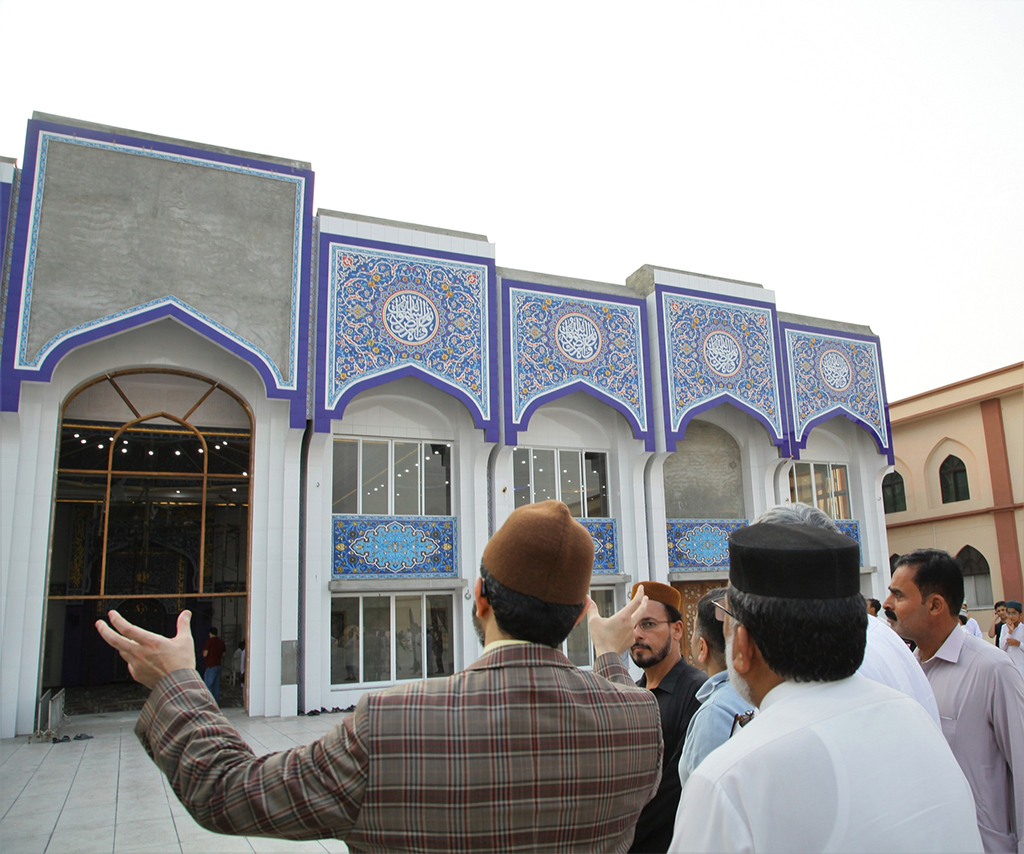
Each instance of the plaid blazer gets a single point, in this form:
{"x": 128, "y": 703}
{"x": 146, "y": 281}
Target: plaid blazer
{"x": 521, "y": 751}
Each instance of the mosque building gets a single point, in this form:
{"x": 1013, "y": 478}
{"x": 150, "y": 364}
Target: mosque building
{"x": 303, "y": 425}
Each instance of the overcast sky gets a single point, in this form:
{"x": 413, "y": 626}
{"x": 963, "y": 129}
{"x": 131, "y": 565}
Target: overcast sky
{"x": 864, "y": 160}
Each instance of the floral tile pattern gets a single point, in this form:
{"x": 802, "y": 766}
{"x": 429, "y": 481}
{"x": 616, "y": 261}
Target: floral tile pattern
{"x": 388, "y": 310}
{"x": 559, "y": 340}
{"x": 605, "y": 533}
{"x": 851, "y": 528}
{"x": 375, "y": 547}
{"x": 832, "y": 374}
{"x": 715, "y": 350}
{"x": 700, "y": 544}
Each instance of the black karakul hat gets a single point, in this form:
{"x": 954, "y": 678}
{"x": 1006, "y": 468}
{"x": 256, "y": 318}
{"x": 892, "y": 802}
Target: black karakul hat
{"x": 793, "y": 562}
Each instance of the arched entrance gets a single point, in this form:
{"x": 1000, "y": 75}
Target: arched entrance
{"x": 151, "y": 516}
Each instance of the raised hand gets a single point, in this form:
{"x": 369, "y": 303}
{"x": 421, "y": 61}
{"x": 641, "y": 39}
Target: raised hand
{"x": 615, "y": 633}
{"x": 150, "y": 657}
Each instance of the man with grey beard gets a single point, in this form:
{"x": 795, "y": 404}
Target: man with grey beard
{"x": 795, "y": 778}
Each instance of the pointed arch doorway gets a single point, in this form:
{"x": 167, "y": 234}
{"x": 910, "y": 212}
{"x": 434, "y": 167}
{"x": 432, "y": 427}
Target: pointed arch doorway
{"x": 151, "y": 516}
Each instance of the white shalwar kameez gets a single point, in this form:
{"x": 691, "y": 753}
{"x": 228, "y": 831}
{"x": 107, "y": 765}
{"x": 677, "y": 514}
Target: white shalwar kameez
{"x": 803, "y": 776}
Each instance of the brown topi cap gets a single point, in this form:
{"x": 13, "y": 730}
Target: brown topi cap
{"x": 658, "y": 592}
{"x": 542, "y": 551}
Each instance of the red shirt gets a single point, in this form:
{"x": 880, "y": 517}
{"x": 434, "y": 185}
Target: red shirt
{"x": 214, "y": 650}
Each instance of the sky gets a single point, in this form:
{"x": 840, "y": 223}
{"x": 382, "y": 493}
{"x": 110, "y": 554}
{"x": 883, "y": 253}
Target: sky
{"x": 863, "y": 160}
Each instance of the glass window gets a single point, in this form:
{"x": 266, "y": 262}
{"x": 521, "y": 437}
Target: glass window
{"x": 894, "y": 498}
{"x": 437, "y": 468}
{"x": 595, "y": 470}
{"x": 346, "y": 477}
{"x": 373, "y": 637}
{"x": 953, "y": 480}
{"x": 577, "y": 646}
{"x": 579, "y": 479}
{"x": 374, "y": 477}
{"x": 345, "y": 640}
{"x": 822, "y": 485}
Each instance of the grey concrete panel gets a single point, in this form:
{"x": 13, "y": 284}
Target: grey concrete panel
{"x": 704, "y": 477}
{"x": 118, "y": 230}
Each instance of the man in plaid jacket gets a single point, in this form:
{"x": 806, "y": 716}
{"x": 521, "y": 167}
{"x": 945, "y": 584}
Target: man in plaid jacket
{"x": 522, "y": 751}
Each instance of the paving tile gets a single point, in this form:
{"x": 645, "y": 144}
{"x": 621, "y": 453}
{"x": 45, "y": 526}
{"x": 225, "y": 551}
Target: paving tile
{"x": 86, "y": 818}
{"x": 220, "y": 844}
{"x": 149, "y": 833}
{"x": 334, "y": 846}
{"x": 96, "y": 841}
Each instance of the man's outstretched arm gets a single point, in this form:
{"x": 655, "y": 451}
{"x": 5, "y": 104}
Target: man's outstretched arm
{"x": 308, "y": 792}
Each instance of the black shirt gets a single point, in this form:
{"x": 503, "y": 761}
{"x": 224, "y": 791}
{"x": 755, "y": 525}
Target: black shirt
{"x": 677, "y": 702}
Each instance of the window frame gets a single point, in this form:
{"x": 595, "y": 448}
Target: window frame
{"x": 393, "y": 597}
{"x": 950, "y": 485}
{"x": 831, "y": 497}
{"x": 391, "y": 474}
{"x": 582, "y": 454}
{"x": 894, "y": 493}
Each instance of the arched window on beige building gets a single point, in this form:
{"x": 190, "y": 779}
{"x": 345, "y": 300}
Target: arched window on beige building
{"x": 977, "y": 579}
{"x": 953, "y": 480}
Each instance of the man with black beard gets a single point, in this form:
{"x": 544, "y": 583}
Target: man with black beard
{"x": 795, "y": 778}
{"x": 674, "y": 683}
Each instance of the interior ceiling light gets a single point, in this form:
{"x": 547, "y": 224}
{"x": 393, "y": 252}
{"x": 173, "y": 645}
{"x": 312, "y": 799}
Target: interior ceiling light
{"x": 84, "y": 442}
{"x": 177, "y": 453}
{"x": 75, "y": 436}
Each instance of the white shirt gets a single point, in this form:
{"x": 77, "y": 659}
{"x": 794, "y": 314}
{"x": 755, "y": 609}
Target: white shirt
{"x": 802, "y": 776}
{"x": 1016, "y": 653}
{"x": 981, "y": 707}
{"x": 887, "y": 659}
{"x": 972, "y": 628}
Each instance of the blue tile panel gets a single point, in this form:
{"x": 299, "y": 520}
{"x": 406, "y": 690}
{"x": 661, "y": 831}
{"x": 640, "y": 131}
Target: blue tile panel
{"x": 719, "y": 351}
{"x": 851, "y": 527}
{"x": 561, "y": 340}
{"x": 830, "y": 375}
{"x": 700, "y": 544}
{"x": 605, "y": 533}
{"x": 391, "y": 310}
{"x": 377, "y": 547}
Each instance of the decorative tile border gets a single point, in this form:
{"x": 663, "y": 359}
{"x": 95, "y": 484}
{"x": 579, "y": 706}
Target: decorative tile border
{"x": 392, "y": 314}
{"x": 605, "y": 533}
{"x": 700, "y": 544}
{"x": 559, "y": 341}
{"x": 378, "y": 547}
{"x": 851, "y": 528}
{"x": 831, "y": 374}
{"x": 716, "y": 350}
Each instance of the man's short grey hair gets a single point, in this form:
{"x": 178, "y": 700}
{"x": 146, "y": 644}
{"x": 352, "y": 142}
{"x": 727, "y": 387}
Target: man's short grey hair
{"x": 797, "y": 514}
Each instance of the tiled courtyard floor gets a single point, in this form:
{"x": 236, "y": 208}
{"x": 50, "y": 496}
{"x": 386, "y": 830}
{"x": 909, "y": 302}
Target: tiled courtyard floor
{"x": 105, "y": 795}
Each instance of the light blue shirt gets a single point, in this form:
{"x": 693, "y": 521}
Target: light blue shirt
{"x": 711, "y": 724}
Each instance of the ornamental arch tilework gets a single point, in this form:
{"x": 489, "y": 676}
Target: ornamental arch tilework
{"x": 830, "y": 374}
{"x": 560, "y": 341}
{"x": 717, "y": 350}
{"x": 392, "y": 314}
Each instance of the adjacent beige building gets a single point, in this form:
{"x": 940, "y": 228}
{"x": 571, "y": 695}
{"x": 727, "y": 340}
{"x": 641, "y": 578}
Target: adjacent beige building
{"x": 958, "y": 483}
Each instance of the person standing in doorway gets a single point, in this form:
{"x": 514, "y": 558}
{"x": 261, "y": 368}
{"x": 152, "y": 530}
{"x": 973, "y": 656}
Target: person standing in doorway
{"x": 213, "y": 654}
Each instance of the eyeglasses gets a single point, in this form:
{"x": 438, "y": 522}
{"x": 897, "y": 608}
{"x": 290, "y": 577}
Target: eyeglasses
{"x": 648, "y": 625}
{"x": 718, "y": 604}
{"x": 741, "y": 720}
